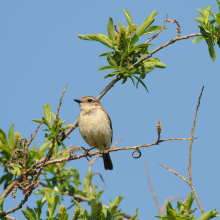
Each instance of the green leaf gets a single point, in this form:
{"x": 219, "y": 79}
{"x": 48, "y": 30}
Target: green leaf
{"x": 32, "y": 212}
{"x": 6, "y": 148}
{"x": 39, "y": 121}
{"x": 92, "y": 200}
{"x": 78, "y": 206}
{"x": 31, "y": 158}
{"x": 104, "y": 54}
{"x": 38, "y": 210}
{"x": 216, "y": 17}
{"x": 152, "y": 29}
{"x": 17, "y": 169}
{"x": 27, "y": 214}
{"x": 134, "y": 39}
{"x": 76, "y": 179}
{"x": 47, "y": 114}
{"x": 11, "y": 135}
{"x": 56, "y": 201}
{"x": 113, "y": 207}
{"x": 55, "y": 149}
{"x": 209, "y": 215}
{"x": 152, "y": 15}
{"x": 124, "y": 79}
{"x": 132, "y": 79}
{"x": 160, "y": 65}
{"x": 87, "y": 182}
{"x": 144, "y": 26}
{"x": 211, "y": 50}
{"x": 207, "y": 14}
{"x": 141, "y": 83}
{"x": 111, "y": 31}
{"x": 44, "y": 147}
{"x": 137, "y": 47}
{"x": 97, "y": 37}
{"x": 67, "y": 126}
{"x": 135, "y": 214}
{"x": 63, "y": 145}
{"x": 146, "y": 68}
{"x": 3, "y": 138}
{"x": 200, "y": 20}
{"x": 1, "y": 205}
{"x": 196, "y": 40}
{"x": 111, "y": 61}
{"x": 129, "y": 20}
{"x": 111, "y": 74}
{"x": 190, "y": 201}
{"x": 108, "y": 67}
{"x": 218, "y": 5}
{"x": 201, "y": 13}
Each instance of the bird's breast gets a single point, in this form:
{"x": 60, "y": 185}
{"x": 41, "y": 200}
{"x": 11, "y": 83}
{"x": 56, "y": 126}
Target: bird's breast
{"x": 94, "y": 126}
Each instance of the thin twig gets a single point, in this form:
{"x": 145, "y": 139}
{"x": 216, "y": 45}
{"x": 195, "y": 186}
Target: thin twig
{"x": 42, "y": 165}
{"x": 178, "y": 26}
{"x": 160, "y": 209}
{"x": 26, "y": 150}
{"x": 116, "y": 143}
{"x": 10, "y": 218}
{"x": 58, "y": 109}
{"x": 190, "y": 159}
{"x": 173, "y": 171}
{"x": 92, "y": 161}
{"x": 75, "y": 157}
{"x": 162, "y": 46}
{"x": 116, "y": 29}
{"x": 153, "y": 37}
{"x": 152, "y": 190}
{"x": 16, "y": 207}
{"x": 100, "y": 177}
{"x": 190, "y": 155}
{"x": 172, "y": 198}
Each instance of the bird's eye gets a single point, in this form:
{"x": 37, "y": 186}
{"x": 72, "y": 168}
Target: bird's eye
{"x": 89, "y": 100}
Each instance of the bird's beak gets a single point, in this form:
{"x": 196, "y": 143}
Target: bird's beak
{"x": 77, "y": 100}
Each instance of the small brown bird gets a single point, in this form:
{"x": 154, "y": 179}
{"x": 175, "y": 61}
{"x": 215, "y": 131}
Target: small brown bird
{"x": 95, "y": 126}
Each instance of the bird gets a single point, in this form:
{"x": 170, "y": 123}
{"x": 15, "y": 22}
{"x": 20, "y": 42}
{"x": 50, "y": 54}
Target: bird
{"x": 95, "y": 126}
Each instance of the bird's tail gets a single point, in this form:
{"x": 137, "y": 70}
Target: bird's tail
{"x": 107, "y": 161}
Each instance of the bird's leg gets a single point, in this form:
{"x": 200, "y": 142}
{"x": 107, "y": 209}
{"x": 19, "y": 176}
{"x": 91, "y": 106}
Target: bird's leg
{"x": 90, "y": 149}
{"x": 86, "y": 152}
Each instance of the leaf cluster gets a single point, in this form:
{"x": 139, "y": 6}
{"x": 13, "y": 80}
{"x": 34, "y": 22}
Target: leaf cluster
{"x": 125, "y": 50}
{"x": 68, "y": 180}
{"x": 184, "y": 211}
{"x": 209, "y": 28}
{"x": 7, "y": 146}
{"x": 55, "y": 128}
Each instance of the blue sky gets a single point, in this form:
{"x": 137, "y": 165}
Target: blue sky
{"x": 40, "y": 53}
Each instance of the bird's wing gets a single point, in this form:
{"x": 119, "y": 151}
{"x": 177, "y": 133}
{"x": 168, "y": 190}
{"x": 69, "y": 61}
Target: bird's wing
{"x": 110, "y": 123}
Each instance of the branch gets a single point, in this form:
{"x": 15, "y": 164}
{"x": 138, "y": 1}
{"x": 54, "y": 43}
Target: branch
{"x": 150, "y": 39}
{"x": 152, "y": 190}
{"x": 162, "y": 46}
{"x": 26, "y": 150}
{"x": 190, "y": 153}
{"x": 172, "y": 198}
{"x": 58, "y": 109}
{"x": 76, "y": 157}
{"x": 10, "y": 218}
{"x": 16, "y": 207}
{"x": 173, "y": 171}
